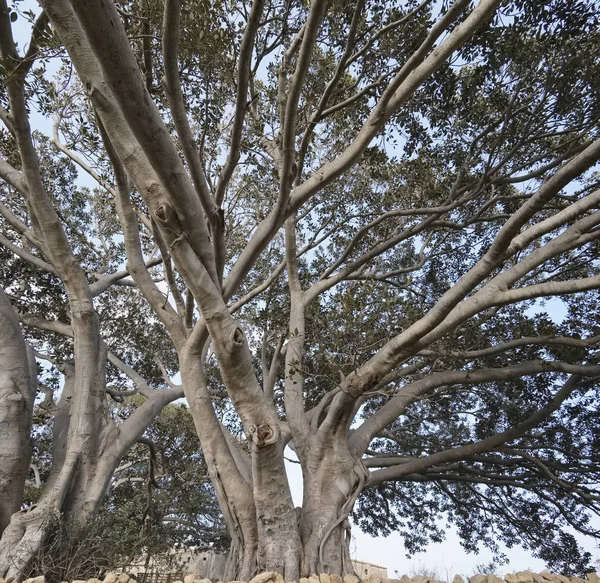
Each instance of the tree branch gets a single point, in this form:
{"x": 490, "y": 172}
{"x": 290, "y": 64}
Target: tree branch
{"x": 488, "y": 444}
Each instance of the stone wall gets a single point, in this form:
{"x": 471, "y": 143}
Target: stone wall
{"x": 208, "y": 564}
{"x": 520, "y": 577}
{"x": 364, "y": 570}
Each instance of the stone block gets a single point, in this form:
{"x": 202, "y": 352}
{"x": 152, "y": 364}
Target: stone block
{"x": 336, "y": 579}
{"x": 593, "y": 577}
{"x": 373, "y": 578}
{"x": 324, "y": 578}
{"x": 262, "y": 577}
{"x": 349, "y": 578}
{"x": 189, "y": 579}
{"x": 110, "y": 577}
{"x": 479, "y": 578}
{"x": 458, "y": 579}
{"x": 40, "y": 579}
{"x": 122, "y": 578}
{"x": 520, "y": 577}
{"x": 419, "y": 579}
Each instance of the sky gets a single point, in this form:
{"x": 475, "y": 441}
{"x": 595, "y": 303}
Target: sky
{"x": 442, "y": 560}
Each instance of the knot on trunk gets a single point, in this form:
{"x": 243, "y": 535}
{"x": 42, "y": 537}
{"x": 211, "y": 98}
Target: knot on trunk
{"x": 218, "y": 219}
{"x": 262, "y": 435}
{"x": 238, "y": 336}
{"x": 167, "y": 219}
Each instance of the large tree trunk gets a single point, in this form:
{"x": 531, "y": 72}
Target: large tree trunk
{"x": 332, "y": 481}
{"x": 17, "y": 388}
{"x": 229, "y": 469}
{"x": 73, "y": 491}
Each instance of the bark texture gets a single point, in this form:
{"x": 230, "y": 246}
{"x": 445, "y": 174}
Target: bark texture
{"x": 17, "y": 393}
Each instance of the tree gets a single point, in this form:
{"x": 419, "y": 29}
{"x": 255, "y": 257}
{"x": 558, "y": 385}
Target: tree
{"x": 423, "y": 174}
{"x": 159, "y": 499}
{"x": 87, "y": 443}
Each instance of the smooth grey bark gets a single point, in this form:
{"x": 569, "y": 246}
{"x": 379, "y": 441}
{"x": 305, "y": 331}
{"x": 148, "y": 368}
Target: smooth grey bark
{"x": 86, "y": 449}
{"x": 230, "y": 478}
{"x": 333, "y": 479}
{"x": 17, "y": 393}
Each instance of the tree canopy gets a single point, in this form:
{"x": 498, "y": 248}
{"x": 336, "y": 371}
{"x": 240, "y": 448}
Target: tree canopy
{"x": 367, "y": 231}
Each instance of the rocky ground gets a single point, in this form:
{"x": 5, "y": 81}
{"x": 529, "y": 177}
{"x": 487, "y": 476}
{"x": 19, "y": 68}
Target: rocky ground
{"x": 268, "y": 577}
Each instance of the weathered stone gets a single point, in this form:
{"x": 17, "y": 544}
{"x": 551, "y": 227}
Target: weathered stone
{"x": 260, "y": 578}
{"x": 575, "y": 579}
{"x": 479, "y": 578}
{"x": 520, "y": 577}
{"x": 546, "y": 575}
{"x": 40, "y": 579}
{"x": 336, "y": 578}
{"x": 593, "y": 577}
{"x": 561, "y": 578}
{"x": 189, "y": 579}
{"x": 110, "y": 577}
{"x": 458, "y": 579}
{"x": 84, "y": 581}
{"x": 304, "y": 580}
{"x": 278, "y": 578}
{"x": 491, "y": 578}
{"x": 349, "y": 578}
{"x": 204, "y": 580}
{"x": 420, "y": 579}
{"x": 373, "y": 578}
{"x": 314, "y": 579}
{"x": 122, "y": 578}
{"x": 405, "y": 579}
{"x": 324, "y": 578}
{"x": 94, "y": 580}
{"x": 537, "y": 578}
